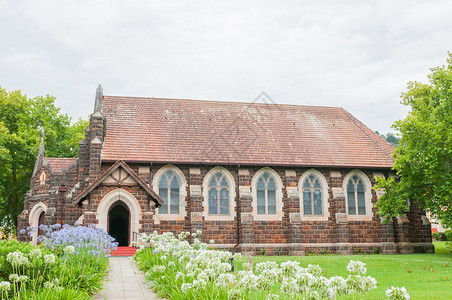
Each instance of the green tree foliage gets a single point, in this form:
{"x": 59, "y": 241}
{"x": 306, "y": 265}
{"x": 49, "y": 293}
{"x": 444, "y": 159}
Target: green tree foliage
{"x": 391, "y": 138}
{"x": 21, "y": 122}
{"x": 423, "y": 160}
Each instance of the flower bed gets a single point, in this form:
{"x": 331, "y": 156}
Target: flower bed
{"x": 70, "y": 263}
{"x": 178, "y": 270}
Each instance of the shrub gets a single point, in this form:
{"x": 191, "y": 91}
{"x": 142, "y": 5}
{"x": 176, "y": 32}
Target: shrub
{"x": 448, "y": 235}
{"x": 179, "y": 270}
{"x": 95, "y": 239}
{"x": 396, "y": 293}
{"x": 54, "y": 294}
{"x": 439, "y": 236}
{"x": 70, "y": 263}
{"x": 26, "y": 268}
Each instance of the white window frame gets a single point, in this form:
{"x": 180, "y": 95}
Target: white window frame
{"x": 231, "y": 190}
{"x": 279, "y": 203}
{"x": 367, "y": 196}
{"x": 182, "y": 194}
{"x": 325, "y": 203}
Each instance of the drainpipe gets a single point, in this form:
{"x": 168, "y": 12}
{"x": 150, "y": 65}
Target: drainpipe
{"x": 237, "y": 207}
{"x": 62, "y": 189}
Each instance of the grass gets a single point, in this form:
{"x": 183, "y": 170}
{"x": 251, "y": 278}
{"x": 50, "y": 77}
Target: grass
{"x": 425, "y": 276}
{"x": 440, "y": 248}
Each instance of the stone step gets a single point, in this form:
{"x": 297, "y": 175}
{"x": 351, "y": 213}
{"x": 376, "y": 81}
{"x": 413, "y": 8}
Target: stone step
{"x": 124, "y": 251}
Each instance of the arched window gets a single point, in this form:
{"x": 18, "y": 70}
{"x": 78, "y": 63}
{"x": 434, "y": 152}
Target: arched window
{"x": 312, "y": 196}
{"x": 355, "y": 196}
{"x": 358, "y": 196}
{"x": 218, "y": 194}
{"x": 169, "y": 190}
{"x": 267, "y": 195}
{"x": 170, "y": 183}
{"x": 313, "y": 191}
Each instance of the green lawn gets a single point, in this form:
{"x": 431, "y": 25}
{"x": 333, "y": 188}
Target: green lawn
{"x": 425, "y": 276}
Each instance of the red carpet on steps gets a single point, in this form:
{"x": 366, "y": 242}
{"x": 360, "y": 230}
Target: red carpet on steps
{"x": 124, "y": 251}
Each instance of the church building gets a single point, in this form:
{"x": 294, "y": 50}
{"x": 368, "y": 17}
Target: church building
{"x": 286, "y": 179}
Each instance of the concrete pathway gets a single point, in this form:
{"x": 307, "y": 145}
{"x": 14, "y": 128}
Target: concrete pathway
{"x": 125, "y": 281}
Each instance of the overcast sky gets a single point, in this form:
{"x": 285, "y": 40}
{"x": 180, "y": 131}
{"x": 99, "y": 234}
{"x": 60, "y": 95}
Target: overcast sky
{"x": 355, "y": 54}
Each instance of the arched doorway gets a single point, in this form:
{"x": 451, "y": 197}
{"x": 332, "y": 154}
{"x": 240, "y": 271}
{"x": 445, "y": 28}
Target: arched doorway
{"x": 36, "y": 218}
{"x": 119, "y": 223}
{"x": 110, "y": 200}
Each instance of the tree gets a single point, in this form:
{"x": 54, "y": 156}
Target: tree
{"x": 391, "y": 138}
{"x": 423, "y": 160}
{"x": 21, "y": 122}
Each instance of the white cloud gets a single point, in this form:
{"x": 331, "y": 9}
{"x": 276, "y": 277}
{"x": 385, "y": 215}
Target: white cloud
{"x": 354, "y": 54}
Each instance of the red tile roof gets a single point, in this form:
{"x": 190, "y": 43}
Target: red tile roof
{"x": 57, "y": 164}
{"x": 212, "y": 132}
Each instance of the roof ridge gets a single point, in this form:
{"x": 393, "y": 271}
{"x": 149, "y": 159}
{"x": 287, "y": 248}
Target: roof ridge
{"x": 219, "y": 101}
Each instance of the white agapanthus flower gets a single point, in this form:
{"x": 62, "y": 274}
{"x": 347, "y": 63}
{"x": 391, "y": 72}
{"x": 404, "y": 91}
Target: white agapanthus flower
{"x": 22, "y": 278}
{"x": 225, "y": 281}
{"x": 290, "y": 268}
{"x": 212, "y": 241}
{"x": 396, "y": 293}
{"x": 186, "y": 287}
{"x": 69, "y": 249}
{"x": 234, "y": 294}
{"x": 51, "y": 284}
{"x": 272, "y": 297}
{"x": 313, "y": 295}
{"x": 5, "y": 286}
{"x": 158, "y": 269}
{"x": 246, "y": 266}
{"x": 17, "y": 259}
{"x": 13, "y": 277}
{"x": 49, "y": 259}
{"x": 35, "y": 253}
{"x": 289, "y": 287}
{"x": 339, "y": 284}
{"x": 315, "y": 270}
{"x": 163, "y": 257}
{"x": 356, "y": 267}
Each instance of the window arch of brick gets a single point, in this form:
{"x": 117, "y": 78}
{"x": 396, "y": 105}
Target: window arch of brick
{"x": 267, "y": 188}
{"x": 313, "y": 191}
{"x": 219, "y": 188}
{"x": 174, "y": 195}
{"x": 358, "y": 196}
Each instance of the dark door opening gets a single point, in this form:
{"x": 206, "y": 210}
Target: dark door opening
{"x": 118, "y": 223}
{"x": 41, "y": 221}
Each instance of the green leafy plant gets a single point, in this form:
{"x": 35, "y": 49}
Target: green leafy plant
{"x": 423, "y": 160}
{"x": 21, "y": 122}
{"x": 448, "y": 235}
